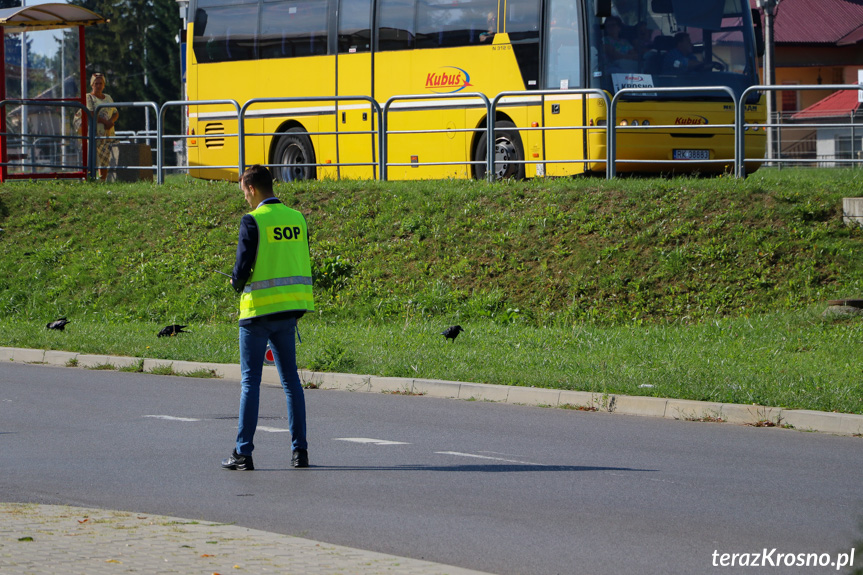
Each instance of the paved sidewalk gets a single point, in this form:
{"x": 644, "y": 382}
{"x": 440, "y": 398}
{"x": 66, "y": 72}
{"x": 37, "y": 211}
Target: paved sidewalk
{"x": 53, "y": 539}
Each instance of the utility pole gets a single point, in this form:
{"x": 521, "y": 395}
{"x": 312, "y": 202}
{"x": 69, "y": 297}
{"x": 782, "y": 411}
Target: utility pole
{"x": 769, "y": 8}
{"x": 184, "y": 14}
{"x": 64, "y": 145}
{"x": 23, "y": 87}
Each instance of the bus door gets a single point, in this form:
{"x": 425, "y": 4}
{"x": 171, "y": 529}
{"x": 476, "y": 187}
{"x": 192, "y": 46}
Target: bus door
{"x": 354, "y": 71}
{"x": 564, "y": 62}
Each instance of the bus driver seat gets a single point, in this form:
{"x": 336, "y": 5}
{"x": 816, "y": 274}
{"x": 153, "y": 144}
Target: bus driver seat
{"x": 653, "y": 57}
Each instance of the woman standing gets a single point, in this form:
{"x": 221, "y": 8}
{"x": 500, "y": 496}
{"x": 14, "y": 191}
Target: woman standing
{"x": 105, "y": 121}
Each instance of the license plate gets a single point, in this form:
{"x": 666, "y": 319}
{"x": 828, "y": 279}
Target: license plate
{"x": 691, "y": 154}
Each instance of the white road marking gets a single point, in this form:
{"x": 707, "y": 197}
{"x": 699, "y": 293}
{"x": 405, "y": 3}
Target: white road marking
{"x": 172, "y": 418}
{"x": 369, "y": 440}
{"x": 487, "y": 457}
{"x": 273, "y": 429}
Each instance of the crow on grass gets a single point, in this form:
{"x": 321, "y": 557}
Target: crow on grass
{"x": 452, "y": 332}
{"x": 58, "y": 324}
{"x": 171, "y": 330}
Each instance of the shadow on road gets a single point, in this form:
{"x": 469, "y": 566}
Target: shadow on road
{"x": 485, "y": 468}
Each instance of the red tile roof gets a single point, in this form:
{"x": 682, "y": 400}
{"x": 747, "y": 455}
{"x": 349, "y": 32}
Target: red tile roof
{"x": 837, "y": 104}
{"x": 838, "y": 22}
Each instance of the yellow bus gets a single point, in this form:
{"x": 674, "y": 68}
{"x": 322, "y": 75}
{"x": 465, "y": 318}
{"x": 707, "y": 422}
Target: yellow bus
{"x": 379, "y": 49}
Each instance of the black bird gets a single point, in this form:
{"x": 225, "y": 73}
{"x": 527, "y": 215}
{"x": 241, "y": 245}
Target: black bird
{"x": 58, "y": 324}
{"x": 171, "y": 330}
{"x": 451, "y": 332}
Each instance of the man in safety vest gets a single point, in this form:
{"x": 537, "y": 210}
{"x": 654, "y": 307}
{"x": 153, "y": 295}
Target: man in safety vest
{"x": 274, "y": 275}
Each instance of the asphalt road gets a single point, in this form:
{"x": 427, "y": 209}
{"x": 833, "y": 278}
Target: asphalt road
{"x": 499, "y": 488}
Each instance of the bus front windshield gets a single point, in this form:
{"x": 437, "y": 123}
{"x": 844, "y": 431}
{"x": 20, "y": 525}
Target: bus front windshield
{"x": 673, "y": 43}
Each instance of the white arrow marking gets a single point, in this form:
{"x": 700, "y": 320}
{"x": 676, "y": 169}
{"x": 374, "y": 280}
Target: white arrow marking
{"x": 273, "y": 429}
{"x": 487, "y": 457}
{"x": 369, "y": 440}
{"x": 172, "y": 418}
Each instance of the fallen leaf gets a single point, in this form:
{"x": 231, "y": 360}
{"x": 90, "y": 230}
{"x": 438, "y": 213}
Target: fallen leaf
{"x": 84, "y": 521}
{"x": 25, "y": 539}
{"x": 205, "y": 555}
{"x": 112, "y": 561}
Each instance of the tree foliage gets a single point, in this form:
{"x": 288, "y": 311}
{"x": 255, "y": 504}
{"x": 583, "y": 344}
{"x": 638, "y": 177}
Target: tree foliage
{"x": 139, "y": 53}
{"x": 12, "y": 46}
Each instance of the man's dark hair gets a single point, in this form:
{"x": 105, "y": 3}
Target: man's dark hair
{"x": 680, "y": 37}
{"x": 258, "y": 177}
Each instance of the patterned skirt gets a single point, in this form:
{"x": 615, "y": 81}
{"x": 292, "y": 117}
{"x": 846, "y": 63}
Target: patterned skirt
{"x": 103, "y": 153}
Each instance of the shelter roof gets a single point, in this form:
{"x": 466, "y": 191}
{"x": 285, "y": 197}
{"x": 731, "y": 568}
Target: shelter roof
{"x": 47, "y": 17}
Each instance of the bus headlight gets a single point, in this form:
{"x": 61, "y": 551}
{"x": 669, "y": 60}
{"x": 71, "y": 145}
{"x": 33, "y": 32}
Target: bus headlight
{"x": 635, "y": 122}
{"x": 645, "y": 123}
{"x": 624, "y": 123}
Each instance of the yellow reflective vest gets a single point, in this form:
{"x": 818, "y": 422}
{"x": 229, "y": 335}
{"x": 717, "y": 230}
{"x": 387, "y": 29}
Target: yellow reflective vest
{"x": 281, "y": 278}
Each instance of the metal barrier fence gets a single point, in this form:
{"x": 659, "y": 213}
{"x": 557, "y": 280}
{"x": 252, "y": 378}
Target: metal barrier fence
{"x": 139, "y": 137}
{"x": 612, "y": 121}
{"x": 95, "y": 138}
{"x": 30, "y": 144}
{"x": 160, "y": 129}
{"x": 387, "y": 132}
{"x": 335, "y": 99}
{"x": 540, "y": 95}
{"x": 381, "y": 132}
{"x": 771, "y": 125}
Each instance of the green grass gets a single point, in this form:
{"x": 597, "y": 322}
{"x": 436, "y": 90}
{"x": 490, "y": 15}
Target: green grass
{"x": 796, "y": 360}
{"x": 708, "y": 289}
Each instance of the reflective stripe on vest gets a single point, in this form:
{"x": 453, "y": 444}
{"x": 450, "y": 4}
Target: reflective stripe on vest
{"x": 291, "y": 281}
{"x": 282, "y": 276}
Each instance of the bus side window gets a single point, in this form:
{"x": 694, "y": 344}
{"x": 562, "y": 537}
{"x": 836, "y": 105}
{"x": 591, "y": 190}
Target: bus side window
{"x": 354, "y": 26}
{"x": 430, "y": 23}
{"x": 396, "y": 25}
{"x": 563, "y": 46}
{"x": 291, "y": 28}
{"x": 522, "y": 21}
{"x": 230, "y": 33}
{"x": 445, "y": 24}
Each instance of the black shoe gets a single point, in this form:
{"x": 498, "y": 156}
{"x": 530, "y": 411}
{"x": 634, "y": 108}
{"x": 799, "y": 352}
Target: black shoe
{"x": 239, "y": 462}
{"x": 300, "y": 458}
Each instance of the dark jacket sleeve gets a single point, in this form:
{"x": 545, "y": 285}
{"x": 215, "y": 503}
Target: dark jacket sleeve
{"x": 247, "y": 251}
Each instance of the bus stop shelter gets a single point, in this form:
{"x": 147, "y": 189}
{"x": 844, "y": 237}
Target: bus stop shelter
{"x": 51, "y": 16}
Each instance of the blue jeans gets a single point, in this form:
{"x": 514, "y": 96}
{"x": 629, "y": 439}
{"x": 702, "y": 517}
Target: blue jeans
{"x": 253, "y": 346}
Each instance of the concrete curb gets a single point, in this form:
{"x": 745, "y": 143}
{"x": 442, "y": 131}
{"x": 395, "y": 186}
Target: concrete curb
{"x": 681, "y": 409}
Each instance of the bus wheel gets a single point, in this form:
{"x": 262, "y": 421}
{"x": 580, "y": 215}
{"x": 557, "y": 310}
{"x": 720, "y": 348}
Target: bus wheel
{"x": 508, "y": 149}
{"x": 294, "y": 149}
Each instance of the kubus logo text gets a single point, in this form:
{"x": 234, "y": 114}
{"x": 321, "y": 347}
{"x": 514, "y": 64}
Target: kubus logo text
{"x": 690, "y": 121}
{"x": 449, "y": 80}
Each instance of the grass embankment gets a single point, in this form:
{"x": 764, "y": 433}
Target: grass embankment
{"x": 701, "y": 288}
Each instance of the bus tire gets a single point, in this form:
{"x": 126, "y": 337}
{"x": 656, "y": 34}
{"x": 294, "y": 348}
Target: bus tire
{"x": 508, "y": 148}
{"x": 293, "y": 148}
